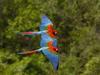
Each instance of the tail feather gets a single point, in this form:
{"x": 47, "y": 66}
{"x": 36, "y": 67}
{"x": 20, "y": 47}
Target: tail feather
{"x": 28, "y": 52}
{"x": 27, "y": 33}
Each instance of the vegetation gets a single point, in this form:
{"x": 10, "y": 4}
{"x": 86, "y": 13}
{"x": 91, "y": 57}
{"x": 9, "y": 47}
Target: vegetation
{"x": 78, "y": 24}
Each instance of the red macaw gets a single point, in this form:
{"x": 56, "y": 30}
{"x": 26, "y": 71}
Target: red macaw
{"x": 45, "y": 27}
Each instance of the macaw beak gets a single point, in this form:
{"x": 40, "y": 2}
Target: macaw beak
{"x": 55, "y": 32}
{"x": 55, "y": 49}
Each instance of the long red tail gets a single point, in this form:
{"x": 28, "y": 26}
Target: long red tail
{"x": 28, "y": 52}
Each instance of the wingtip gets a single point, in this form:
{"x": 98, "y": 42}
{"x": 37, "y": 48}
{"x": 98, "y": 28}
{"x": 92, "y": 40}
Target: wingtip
{"x": 56, "y": 65}
{"x": 44, "y": 16}
{"x": 53, "y": 58}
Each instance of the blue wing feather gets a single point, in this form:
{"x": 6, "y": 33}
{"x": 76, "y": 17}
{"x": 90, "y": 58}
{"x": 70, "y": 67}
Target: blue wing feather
{"x": 45, "y": 22}
{"x": 54, "y": 42}
{"x": 53, "y": 58}
{"x": 45, "y": 39}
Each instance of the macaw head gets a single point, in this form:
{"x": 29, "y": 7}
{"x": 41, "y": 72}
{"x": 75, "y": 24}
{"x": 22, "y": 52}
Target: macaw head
{"x": 51, "y": 47}
{"x": 55, "y": 49}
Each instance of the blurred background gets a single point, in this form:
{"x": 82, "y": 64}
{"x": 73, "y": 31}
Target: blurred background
{"x": 78, "y": 24}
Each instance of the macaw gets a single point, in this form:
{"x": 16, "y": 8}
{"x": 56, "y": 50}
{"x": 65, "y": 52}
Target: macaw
{"x": 48, "y": 42}
{"x": 46, "y": 26}
{"x": 49, "y": 51}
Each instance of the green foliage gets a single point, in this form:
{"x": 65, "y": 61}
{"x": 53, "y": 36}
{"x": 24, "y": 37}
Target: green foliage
{"x": 77, "y": 22}
{"x": 92, "y": 66}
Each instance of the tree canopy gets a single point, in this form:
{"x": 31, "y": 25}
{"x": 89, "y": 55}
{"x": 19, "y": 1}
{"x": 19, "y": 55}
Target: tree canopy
{"x": 78, "y": 24}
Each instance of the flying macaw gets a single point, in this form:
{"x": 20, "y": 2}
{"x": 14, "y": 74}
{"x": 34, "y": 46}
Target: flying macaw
{"x": 46, "y": 26}
{"x": 48, "y": 42}
{"x": 49, "y": 51}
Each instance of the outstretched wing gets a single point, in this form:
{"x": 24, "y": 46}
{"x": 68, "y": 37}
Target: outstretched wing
{"x": 45, "y": 39}
{"x": 54, "y": 42}
{"x": 47, "y": 25}
{"x": 45, "y": 22}
{"x": 53, "y": 58}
